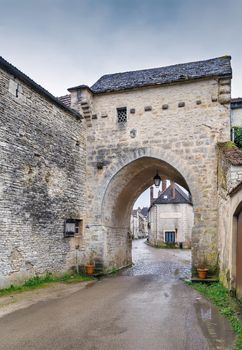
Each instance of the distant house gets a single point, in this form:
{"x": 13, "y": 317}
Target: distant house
{"x": 170, "y": 217}
{"x": 145, "y": 211}
{"x": 139, "y": 223}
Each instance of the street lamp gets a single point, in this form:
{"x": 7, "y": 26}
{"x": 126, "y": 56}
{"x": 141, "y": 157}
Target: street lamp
{"x": 157, "y": 180}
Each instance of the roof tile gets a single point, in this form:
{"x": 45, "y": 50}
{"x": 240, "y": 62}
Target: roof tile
{"x": 166, "y": 197}
{"x": 164, "y": 75}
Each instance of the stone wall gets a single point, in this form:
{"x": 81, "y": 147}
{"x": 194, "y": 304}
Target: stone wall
{"x": 234, "y": 176}
{"x": 42, "y": 182}
{"x": 171, "y": 217}
{"x": 228, "y": 237}
{"x": 138, "y": 225}
{"x": 172, "y": 128}
{"x": 230, "y": 198}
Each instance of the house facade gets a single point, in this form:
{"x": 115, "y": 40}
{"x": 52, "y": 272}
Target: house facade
{"x": 138, "y": 224}
{"x": 171, "y": 218}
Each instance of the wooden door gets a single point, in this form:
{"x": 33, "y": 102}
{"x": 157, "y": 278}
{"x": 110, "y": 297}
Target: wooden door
{"x": 239, "y": 257}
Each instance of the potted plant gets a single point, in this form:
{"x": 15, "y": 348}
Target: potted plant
{"x": 202, "y": 269}
{"x": 90, "y": 266}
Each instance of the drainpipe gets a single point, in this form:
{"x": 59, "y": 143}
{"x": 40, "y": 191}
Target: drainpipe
{"x": 232, "y": 134}
{"x": 151, "y": 195}
{"x": 156, "y": 235}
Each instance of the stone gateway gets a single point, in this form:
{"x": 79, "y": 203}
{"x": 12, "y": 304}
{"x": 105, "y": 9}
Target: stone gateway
{"x": 72, "y": 168}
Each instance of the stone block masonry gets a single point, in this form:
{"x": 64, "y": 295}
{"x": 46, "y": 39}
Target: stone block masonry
{"x": 179, "y": 142}
{"x": 56, "y": 166}
{"x": 42, "y": 180}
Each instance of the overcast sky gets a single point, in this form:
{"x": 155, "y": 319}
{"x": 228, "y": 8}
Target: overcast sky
{"x": 63, "y": 43}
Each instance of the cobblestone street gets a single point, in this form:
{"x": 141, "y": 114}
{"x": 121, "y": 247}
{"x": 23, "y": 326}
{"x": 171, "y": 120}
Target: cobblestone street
{"x": 170, "y": 263}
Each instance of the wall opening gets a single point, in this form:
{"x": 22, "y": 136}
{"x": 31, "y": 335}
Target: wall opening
{"x": 237, "y": 236}
{"x": 163, "y": 218}
{"x": 121, "y": 193}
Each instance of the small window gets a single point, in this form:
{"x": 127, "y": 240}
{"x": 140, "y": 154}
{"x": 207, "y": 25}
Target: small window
{"x": 170, "y": 236}
{"x": 122, "y": 115}
{"x": 73, "y": 227}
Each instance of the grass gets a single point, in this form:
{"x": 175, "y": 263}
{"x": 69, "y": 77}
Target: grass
{"x": 227, "y": 305}
{"x": 163, "y": 245}
{"x": 43, "y": 281}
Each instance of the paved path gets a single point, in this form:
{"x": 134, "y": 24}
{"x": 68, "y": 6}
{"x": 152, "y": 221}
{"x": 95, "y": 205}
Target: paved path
{"x": 145, "y": 307}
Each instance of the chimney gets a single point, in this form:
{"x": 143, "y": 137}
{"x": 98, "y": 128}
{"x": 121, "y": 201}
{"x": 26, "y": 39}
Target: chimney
{"x": 164, "y": 184}
{"x": 151, "y": 194}
{"x": 173, "y": 190}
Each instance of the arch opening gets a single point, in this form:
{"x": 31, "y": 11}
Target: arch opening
{"x": 121, "y": 193}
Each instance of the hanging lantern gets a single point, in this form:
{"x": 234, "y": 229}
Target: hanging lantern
{"x": 157, "y": 180}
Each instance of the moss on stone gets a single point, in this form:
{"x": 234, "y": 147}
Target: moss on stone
{"x": 227, "y": 146}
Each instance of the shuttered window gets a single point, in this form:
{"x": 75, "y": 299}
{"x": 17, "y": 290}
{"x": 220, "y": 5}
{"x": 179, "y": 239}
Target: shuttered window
{"x": 170, "y": 237}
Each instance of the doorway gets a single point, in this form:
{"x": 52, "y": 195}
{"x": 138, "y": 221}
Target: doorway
{"x": 239, "y": 252}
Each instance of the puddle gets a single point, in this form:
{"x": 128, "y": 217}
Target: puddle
{"x": 215, "y": 328}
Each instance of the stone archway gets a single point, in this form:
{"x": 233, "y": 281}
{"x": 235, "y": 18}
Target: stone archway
{"x": 122, "y": 191}
{"x": 120, "y": 184}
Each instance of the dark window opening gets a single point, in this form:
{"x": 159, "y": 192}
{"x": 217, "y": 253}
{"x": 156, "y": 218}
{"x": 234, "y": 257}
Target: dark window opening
{"x": 17, "y": 90}
{"x": 170, "y": 236}
{"x": 122, "y": 115}
{"x": 73, "y": 227}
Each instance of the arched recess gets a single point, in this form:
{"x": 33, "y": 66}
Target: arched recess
{"x": 186, "y": 170}
{"x": 121, "y": 192}
{"x": 237, "y": 238}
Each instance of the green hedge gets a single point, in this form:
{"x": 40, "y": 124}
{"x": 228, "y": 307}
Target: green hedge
{"x": 238, "y": 136}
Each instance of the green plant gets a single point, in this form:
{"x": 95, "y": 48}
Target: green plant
{"x": 203, "y": 263}
{"x": 43, "y": 281}
{"x": 92, "y": 256}
{"x": 238, "y": 136}
{"x": 171, "y": 245}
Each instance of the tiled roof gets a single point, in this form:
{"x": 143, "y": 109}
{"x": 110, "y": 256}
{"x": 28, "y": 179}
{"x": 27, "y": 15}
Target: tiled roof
{"x": 66, "y": 100}
{"x": 234, "y": 156}
{"x": 236, "y": 102}
{"x": 237, "y": 99}
{"x": 9, "y": 68}
{"x": 144, "y": 211}
{"x": 236, "y": 189}
{"x": 166, "y": 197}
{"x": 164, "y": 75}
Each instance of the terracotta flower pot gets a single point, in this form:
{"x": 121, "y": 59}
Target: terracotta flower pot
{"x": 202, "y": 273}
{"x": 89, "y": 269}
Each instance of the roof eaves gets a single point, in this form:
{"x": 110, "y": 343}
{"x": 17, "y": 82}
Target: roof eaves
{"x": 218, "y": 67}
{"x": 236, "y": 189}
{"x": 183, "y": 194}
{"x": 9, "y": 68}
{"x": 79, "y": 87}
{"x": 236, "y": 103}
{"x": 155, "y": 84}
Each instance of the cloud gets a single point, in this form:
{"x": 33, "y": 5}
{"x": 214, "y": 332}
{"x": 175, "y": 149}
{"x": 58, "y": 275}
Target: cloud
{"x": 61, "y": 44}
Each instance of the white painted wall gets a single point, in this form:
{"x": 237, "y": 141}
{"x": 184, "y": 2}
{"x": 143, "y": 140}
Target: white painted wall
{"x": 236, "y": 117}
{"x": 171, "y": 217}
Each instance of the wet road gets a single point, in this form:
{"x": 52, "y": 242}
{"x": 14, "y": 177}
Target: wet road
{"x": 144, "y": 307}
